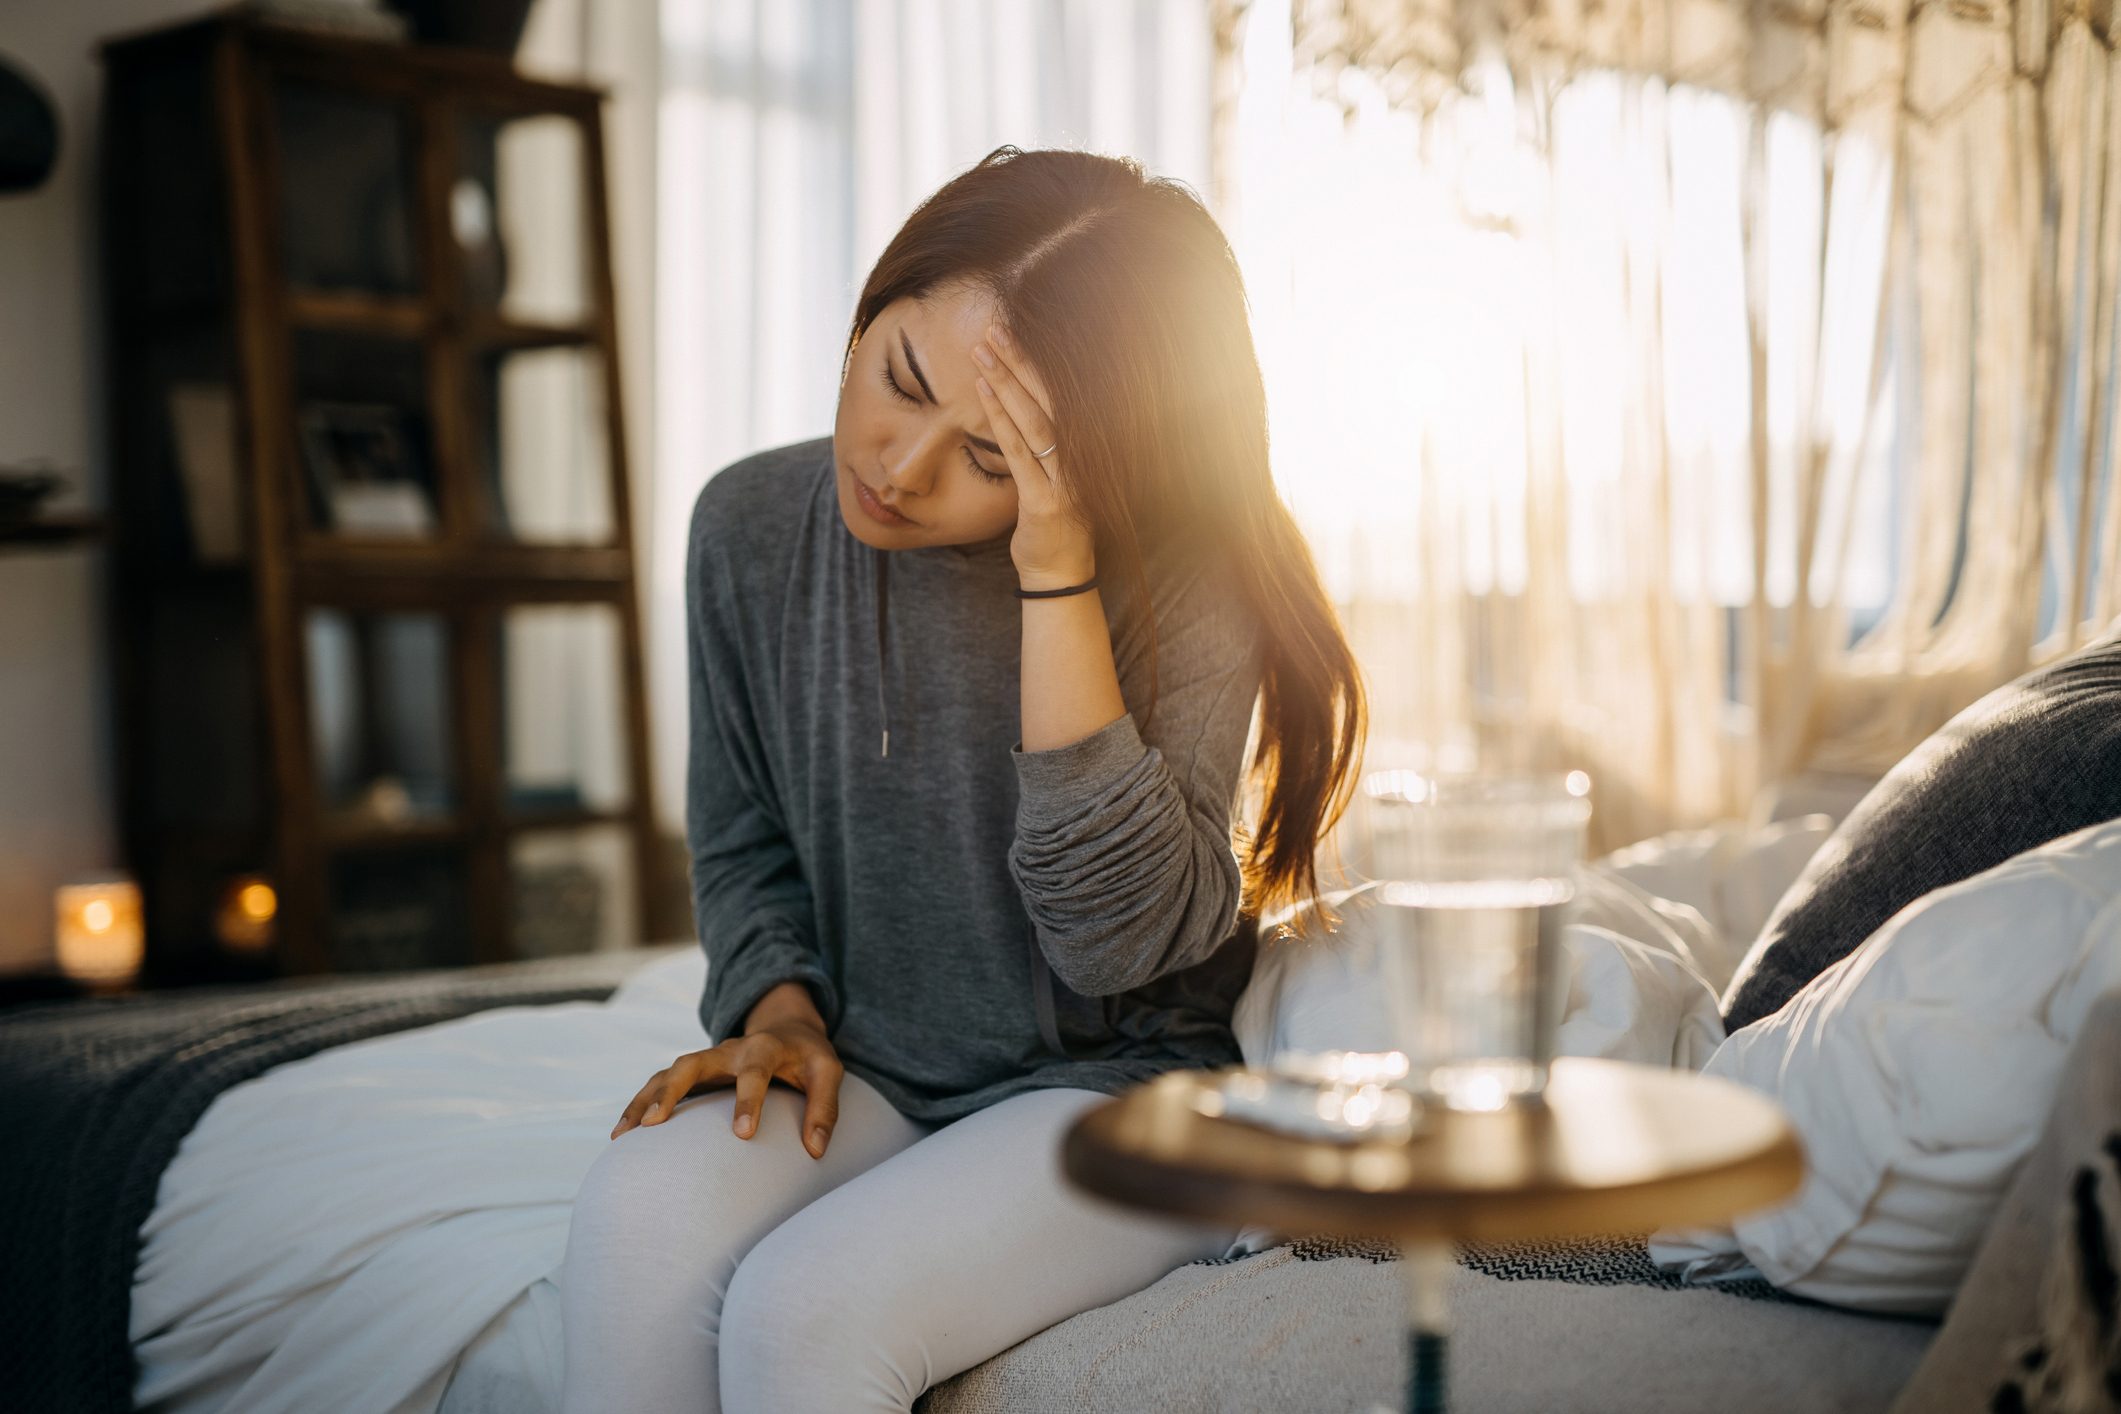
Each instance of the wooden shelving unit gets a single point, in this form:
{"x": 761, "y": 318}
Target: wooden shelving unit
{"x": 374, "y": 601}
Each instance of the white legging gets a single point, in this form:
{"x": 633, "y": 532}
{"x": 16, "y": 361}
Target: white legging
{"x": 706, "y": 1272}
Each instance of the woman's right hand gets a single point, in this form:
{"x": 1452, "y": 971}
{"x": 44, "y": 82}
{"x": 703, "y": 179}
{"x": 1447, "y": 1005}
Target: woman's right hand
{"x": 784, "y": 1039}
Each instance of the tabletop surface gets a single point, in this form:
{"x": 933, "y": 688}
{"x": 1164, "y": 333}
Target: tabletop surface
{"x": 1615, "y": 1148}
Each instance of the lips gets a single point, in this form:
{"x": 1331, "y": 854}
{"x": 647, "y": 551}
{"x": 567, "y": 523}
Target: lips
{"x": 876, "y": 509}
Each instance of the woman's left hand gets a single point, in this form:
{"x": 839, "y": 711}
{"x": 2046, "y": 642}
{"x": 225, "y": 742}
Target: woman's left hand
{"x": 1052, "y": 546}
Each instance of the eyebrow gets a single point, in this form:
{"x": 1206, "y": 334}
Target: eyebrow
{"x": 915, "y": 364}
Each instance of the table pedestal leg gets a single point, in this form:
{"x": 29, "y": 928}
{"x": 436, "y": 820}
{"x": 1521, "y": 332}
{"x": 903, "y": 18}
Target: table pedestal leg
{"x": 1427, "y": 1266}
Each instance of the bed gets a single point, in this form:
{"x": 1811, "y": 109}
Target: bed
{"x": 354, "y": 1195}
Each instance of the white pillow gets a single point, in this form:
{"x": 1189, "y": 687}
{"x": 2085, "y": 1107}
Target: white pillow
{"x": 1919, "y": 1070}
{"x": 1732, "y": 875}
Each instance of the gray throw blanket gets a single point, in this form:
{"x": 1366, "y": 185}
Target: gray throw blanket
{"x": 1622, "y": 1259}
{"x": 96, "y": 1096}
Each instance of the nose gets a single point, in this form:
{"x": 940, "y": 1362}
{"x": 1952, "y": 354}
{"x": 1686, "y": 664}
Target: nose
{"x": 911, "y": 467}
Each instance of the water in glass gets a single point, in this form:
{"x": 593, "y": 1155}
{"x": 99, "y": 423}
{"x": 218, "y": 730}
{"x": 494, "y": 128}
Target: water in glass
{"x": 1478, "y": 875}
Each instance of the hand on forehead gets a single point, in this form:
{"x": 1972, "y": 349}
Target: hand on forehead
{"x": 957, "y": 321}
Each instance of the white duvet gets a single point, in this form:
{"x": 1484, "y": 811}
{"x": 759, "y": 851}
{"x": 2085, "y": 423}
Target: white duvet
{"x": 358, "y": 1229}
{"x": 335, "y": 1232}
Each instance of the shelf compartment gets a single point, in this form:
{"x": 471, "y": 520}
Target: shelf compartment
{"x": 562, "y": 728}
{"x": 364, "y": 437}
{"x": 399, "y": 908}
{"x": 347, "y": 197}
{"x": 573, "y": 891}
{"x": 380, "y": 722}
{"x": 543, "y": 430}
{"x": 519, "y": 216}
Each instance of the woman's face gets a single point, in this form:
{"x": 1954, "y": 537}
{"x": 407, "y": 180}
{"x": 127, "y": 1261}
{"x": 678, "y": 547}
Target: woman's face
{"x": 912, "y": 433}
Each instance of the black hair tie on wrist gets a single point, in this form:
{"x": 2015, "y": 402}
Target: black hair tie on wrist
{"x": 1088, "y": 584}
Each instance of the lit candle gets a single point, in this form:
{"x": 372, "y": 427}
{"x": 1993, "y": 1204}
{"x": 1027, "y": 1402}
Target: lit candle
{"x": 244, "y": 921}
{"x": 99, "y": 934}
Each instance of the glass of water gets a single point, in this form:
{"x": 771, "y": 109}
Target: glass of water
{"x": 1476, "y": 876}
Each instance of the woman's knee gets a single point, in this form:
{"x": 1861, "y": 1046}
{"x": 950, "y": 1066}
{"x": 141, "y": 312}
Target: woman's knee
{"x": 689, "y": 1193}
{"x": 797, "y": 1333}
{"x": 661, "y": 1200}
{"x": 772, "y": 1310}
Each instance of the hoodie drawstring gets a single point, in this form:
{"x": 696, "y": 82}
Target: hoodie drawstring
{"x": 883, "y": 598}
{"x": 1041, "y": 971}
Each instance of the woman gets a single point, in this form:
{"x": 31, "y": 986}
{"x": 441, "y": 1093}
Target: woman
{"x": 972, "y": 681}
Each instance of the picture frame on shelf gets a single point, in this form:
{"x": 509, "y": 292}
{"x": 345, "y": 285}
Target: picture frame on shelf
{"x": 202, "y": 420}
{"x": 365, "y": 475}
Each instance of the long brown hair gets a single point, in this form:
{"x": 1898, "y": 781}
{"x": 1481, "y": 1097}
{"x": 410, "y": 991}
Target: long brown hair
{"x": 1123, "y": 292}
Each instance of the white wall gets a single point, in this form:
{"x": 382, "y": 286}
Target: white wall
{"x": 56, "y": 779}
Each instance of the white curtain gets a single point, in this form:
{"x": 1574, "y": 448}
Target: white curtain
{"x": 1697, "y": 392}
{"x": 796, "y": 137}
{"x": 566, "y": 718}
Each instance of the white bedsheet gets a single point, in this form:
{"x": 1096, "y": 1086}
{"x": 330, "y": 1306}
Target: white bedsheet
{"x": 334, "y": 1233}
{"x": 357, "y": 1229}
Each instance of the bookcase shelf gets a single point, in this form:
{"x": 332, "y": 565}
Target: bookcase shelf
{"x": 375, "y": 614}
{"x": 51, "y": 531}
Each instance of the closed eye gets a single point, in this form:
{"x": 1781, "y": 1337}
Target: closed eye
{"x": 996, "y": 477}
{"x": 892, "y": 384}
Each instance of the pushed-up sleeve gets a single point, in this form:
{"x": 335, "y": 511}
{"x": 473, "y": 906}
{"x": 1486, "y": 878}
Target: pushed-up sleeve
{"x": 750, "y": 900}
{"x": 1122, "y": 851}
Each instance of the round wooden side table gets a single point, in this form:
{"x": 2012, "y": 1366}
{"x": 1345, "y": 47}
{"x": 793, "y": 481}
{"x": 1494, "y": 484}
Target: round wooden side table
{"x": 1612, "y": 1148}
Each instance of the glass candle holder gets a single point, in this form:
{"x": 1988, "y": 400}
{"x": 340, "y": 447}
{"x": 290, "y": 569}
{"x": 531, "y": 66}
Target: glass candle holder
{"x": 97, "y": 930}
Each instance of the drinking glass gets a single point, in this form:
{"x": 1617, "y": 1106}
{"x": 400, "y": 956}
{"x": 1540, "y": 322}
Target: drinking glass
{"x": 1477, "y": 876}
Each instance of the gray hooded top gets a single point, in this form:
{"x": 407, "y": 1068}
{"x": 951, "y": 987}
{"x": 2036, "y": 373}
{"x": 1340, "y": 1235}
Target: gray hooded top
{"x": 974, "y": 920}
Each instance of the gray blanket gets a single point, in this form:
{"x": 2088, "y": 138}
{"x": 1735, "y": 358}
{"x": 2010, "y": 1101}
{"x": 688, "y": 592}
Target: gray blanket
{"x": 95, "y": 1097}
